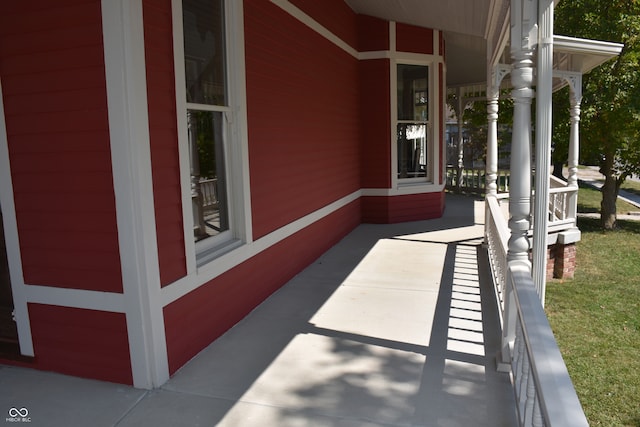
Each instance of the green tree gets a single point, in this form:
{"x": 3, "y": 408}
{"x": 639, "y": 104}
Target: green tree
{"x": 610, "y": 119}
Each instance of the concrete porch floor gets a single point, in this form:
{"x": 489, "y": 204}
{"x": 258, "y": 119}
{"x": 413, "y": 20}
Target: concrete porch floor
{"x": 394, "y": 326}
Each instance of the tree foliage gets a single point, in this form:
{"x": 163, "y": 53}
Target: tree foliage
{"x": 610, "y": 117}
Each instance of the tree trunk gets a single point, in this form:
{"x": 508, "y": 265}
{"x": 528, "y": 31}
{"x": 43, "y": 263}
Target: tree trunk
{"x": 608, "y": 217}
{"x": 557, "y": 170}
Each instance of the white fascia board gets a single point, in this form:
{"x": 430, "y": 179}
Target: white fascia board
{"x": 587, "y": 46}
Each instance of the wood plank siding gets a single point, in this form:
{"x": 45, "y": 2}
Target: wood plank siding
{"x": 410, "y": 38}
{"x": 302, "y": 104}
{"x": 375, "y": 124}
{"x": 334, "y": 15}
{"x": 373, "y": 34}
{"x": 54, "y": 96}
{"x": 163, "y": 136}
{"x": 84, "y": 343}
{"x": 410, "y": 207}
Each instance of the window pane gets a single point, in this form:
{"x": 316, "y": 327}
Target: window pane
{"x": 208, "y": 175}
{"x": 204, "y": 52}
{"x": 412, "y": 150}
{"x": 413, "y": 92}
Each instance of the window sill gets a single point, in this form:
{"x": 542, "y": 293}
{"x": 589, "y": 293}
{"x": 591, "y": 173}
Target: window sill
{"x": 205, "y": 257}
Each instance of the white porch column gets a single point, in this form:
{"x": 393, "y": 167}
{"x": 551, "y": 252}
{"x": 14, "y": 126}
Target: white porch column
{"x": 575, "y": 85}
{"x": 574, "y": 141}
{"x": 543, "y": 144}
{"x": 523, "y": 36}
{"x": 459, "y": 112}
{"x": 493, "y": 95}
{"x": 520, "y": 181}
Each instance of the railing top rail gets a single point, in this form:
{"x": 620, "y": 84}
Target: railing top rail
{"x": 558, "y": 399}
{"x": 554, "y": 181}
{"x": 499, "y": 220}
{"x": 559, "y": 190}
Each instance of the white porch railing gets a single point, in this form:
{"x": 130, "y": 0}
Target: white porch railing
{"x": 544, "y": 393}
{"x": 497, "y": 237}
{"x": 543, "y": 389}
{"x": 562, "y": 209}
{"x": 474, "y": 179}
{"x": 208, "y": 189}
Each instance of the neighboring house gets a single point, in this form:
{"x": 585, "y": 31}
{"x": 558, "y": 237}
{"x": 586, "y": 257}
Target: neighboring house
{"x": 166, "y": 165}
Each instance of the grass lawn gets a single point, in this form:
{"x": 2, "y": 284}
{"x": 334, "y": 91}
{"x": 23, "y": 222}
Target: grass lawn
{"x": 596, "y": 320}
{"x": 589, "y": 200}
{"x": 631, "y": 186}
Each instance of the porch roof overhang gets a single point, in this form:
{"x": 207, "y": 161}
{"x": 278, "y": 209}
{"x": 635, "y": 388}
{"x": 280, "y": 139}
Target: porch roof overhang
{"x": 575, "y": 55}
{"x": 467, "y": 25}
{"x": 476, "y": 33}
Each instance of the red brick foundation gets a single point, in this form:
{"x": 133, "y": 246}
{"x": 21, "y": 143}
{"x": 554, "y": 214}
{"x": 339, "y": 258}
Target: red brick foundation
{"x": 561, "y": 261}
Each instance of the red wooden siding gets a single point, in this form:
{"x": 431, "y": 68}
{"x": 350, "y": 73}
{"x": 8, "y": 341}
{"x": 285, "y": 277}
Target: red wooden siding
{"x": 302, "y": 102}
{"x": 334, "y": 15}
{"x": 411, "y": 207}
{"x": 410, "y": 38}
{"x": 373, "y": 34}
{"x": 200, "y": 317}
{"x": 84, "y": 343}
{"x": 164, "y": 139}
{"x": 375, "y": 124}
{"x": 53, "y": 84}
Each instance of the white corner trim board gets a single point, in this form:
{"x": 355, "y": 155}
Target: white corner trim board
{"x": 125, "y": 71}
{"x": 10, "y": 225}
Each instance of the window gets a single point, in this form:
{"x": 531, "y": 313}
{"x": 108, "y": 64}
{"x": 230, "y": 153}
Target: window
{"x": 207, "y": 100}
{"x": 412, "y": 122}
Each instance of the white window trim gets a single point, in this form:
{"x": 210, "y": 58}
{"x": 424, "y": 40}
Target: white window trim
{"x": 431, "y": 62}
{"x": 236, "y": 153}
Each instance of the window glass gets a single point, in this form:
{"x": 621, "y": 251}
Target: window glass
{"x": 208, "y": 174}
{"x": 413, "y": 117}
{"x": 413, "y": 92}
{"x": 204, "y": 51}
{"x": 412, "y": 150}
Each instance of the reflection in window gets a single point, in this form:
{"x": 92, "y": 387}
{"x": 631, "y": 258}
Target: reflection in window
{"x": 208, "y": 175}
{"x": 413, "y": 119}
{"x": 204, "y": 51}
{"x": 206, "y": 91}
{"x": 412, "y": 150}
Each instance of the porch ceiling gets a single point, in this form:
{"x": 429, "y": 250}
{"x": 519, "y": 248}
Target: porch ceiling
{"x": 466, "y": 24}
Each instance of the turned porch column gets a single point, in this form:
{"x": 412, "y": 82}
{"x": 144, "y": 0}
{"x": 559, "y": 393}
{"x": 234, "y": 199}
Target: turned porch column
{"x": 575, "y": 85}
{"x": 520, "y": 181}
{"x": 523, "y": 39}
{"x": 574, "y": 140}
{"x": 493, "y": 95}
{"x": 459, "y": 112}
